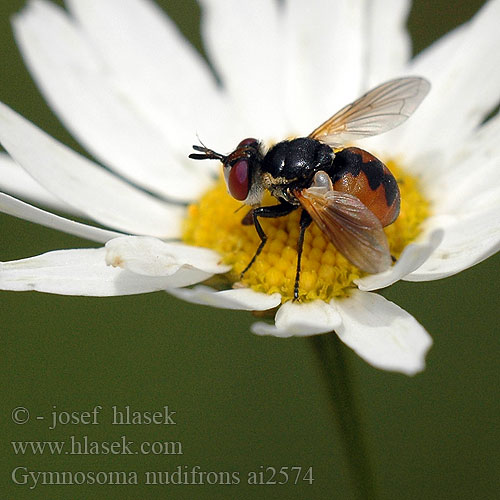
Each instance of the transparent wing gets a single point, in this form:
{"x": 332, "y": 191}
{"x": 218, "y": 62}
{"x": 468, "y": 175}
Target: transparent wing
{"x": 354, "y": 230}
{"x": 379, "y": 110}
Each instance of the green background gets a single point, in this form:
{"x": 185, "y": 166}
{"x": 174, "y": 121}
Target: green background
{"x": 242, "y": 401}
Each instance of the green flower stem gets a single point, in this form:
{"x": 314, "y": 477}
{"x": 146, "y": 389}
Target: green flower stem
{"x": 330, "y": 352}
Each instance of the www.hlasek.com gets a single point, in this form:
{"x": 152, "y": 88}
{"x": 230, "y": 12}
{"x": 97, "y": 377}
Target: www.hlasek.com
{"x": 85, "y": 446}
{"x": 180, "y": 475}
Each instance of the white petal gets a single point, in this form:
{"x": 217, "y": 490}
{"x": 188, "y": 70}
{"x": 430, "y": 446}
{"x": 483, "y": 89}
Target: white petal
{"x": 243, "y": 41}
{"x": 388, "y": 44}
{"x": 83, "y": 184}
{"x": 435, "y": 56}
{"x": 17, "y": 208}
{"x": 413, "y": 256}
{"x": 244, "y": 299}
{"x": 468, "y": 240}
{"x": 472, "y": 183}
{"x": 81, "y": 88}
{"x": 325, "y": 58}
{"x": 293, "y": 319}
{"x": 157, "y": 69}
{"x": 454, "y": 107}
{"x": 16, "y": 181}
{"x": 382, "y": 333}
{"x": 153, "y": 257}
{"x": 82, "y": 272}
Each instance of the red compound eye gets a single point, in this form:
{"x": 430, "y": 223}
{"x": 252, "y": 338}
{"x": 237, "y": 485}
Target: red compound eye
{"x": 237, "y": 180}
{"x": 248, "y": 142}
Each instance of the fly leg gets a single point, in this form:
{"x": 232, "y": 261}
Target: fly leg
{"x": 305, "y": 221}
{"x": 271, "y": 212}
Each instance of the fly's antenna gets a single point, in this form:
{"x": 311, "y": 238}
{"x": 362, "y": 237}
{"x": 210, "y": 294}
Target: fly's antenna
{"x": 206, "y": 153}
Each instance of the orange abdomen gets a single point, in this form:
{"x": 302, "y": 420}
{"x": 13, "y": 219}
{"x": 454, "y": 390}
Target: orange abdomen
{"x": 361, "y": 174}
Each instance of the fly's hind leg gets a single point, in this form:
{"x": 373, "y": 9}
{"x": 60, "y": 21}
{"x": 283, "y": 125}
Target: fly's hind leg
{"x": 305, "y": 221}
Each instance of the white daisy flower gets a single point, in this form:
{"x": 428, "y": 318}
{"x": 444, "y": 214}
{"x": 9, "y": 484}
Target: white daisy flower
{"x": 135, "y": 93}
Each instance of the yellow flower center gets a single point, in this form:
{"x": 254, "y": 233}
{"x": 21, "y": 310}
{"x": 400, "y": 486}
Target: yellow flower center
{"x": 215, "y": 222}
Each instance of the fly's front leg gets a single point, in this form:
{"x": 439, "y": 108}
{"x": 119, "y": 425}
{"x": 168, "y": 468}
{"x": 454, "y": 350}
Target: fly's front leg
{"x": 271, "y": 212}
